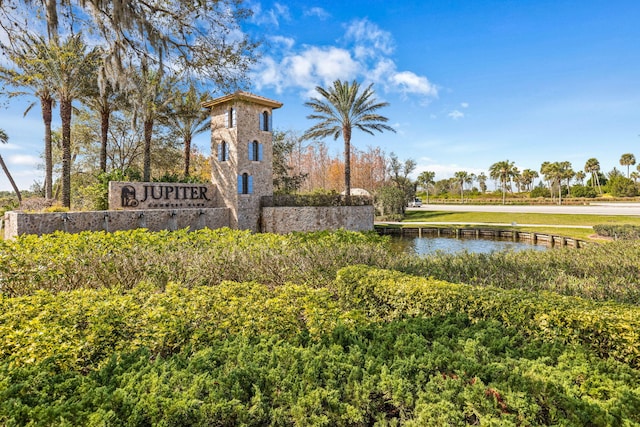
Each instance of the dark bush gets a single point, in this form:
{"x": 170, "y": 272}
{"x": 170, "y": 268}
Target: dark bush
{"x": 583, "y": 191}
{"x": 540, "y": 192}
{"x": 618, "y": 232}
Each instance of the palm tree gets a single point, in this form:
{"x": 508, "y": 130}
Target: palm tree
{"x": 151, "y": 93}
{"x": 188, "y": 119}
{"x": 627, "y": 160}
{"x": 28, "y": 74}
{"x": 69, "y": 72}
{"x": 344, "y": 108}
{"x": 580, "y": 176}
{"x": 103, "y": 100}
{"x": 482, "y": 182}
{"x": 4, "y": 138}
{"x": 566, "y": 172}
{"x": 425, "y": 180}
{"x": 461, "y": 178}
{"x": 502, "y": 171}
{"x": 528, "y": 177}
{"x": 592, "y": 166}
{"x": 554, "y": 173}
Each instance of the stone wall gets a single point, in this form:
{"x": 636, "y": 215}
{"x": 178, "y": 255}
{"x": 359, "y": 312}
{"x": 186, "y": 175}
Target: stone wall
{"x": 18, "y": 223}
{"x": 287, "y": 219}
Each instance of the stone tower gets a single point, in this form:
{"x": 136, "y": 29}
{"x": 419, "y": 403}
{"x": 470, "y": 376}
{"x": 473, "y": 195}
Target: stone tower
{"x": 242, "y": 154}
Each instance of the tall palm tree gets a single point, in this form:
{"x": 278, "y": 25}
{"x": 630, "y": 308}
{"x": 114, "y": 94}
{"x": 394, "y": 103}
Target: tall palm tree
{"x": 566, "y": 172}
{"x": 70, "y": 70}
{"x": 343, "y": 108}
{"x": 502, "y": 171}
{"x": 461, "y": 178}
{"x": 554, "y": 173}
{"x": 28, "y": 74}
{"x": 425, "y": 180}
{"x": 4, "y": 138}
{"x": 150, "y": 92}
{"x": 627, "y": 160}
{"x": 103, "y": 100}
{"x": 580, "y": 176}
{"x": 482, "y": 181}
{"x": 528, "y": 177}
{"x": 592, "y": 166}
{"x": 188, "y": 119}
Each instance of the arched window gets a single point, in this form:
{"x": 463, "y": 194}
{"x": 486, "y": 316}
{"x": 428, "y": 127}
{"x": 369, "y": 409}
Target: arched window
{"x": 245, "y": 184}
{"x": 255, "y": 151}
{"x": 231, "y": 118}
{"x": 223, "y": 151}
{"x": 265, "y": 121}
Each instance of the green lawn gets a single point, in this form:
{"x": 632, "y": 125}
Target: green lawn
{"x": 494, "y": 218}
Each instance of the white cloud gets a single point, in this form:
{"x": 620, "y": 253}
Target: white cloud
{"x": 9, "y": 147}
{"x": 409, "y": 82}
{"x": 364, "y": 53}
{"x": 313, "y": 66}
{"x": 23, "y": 160}
{"x": 370, "y": 40}
{"x": 464, "y": 104}
{"x": 284, "y": 42}
{"x": 456, "y": 114}
{"x": 324, "y": 64}
{"x": 318, "y": 12}
{"x": 269, "y": 17}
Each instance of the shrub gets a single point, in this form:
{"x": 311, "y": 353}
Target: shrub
{"x": 621, "y": 186}
{"x": 540, "y": 192}
{"x": 583, "y": 191}
{"x": 618, "y": 232}
{"x": 244, "y": 354}
{"x": 609, "y": 329}
{"x": 92, "y": 260}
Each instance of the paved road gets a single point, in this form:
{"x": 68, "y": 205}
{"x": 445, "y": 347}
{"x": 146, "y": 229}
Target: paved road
{"x": 594, "y": 209}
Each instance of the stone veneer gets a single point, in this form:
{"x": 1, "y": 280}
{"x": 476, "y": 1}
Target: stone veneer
{"x": 306, "y": 218}
{"x": 18, "y": 223}
{"x": 236, "y": 135}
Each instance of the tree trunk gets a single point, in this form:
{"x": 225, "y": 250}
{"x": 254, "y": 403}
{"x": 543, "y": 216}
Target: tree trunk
{"x": 559, "y": 192}
{"x": 13, "y": 183}
{"x": 187, "y": 154}
{"x": 104, "y": 135}
{"x": 46, "y": 103}
{"x": 148, "y": 132}
{"x": 65, "y": 117}
{"x": 346, "y": 133}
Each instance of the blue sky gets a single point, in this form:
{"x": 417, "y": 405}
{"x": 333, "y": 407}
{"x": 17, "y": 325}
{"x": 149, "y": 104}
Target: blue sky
{"x": 469, "y": 82}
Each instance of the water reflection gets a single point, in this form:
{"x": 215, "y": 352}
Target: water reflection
{"x": 429, "y": 245}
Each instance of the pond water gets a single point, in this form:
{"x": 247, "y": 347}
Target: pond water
{"x": 429, "y": 245}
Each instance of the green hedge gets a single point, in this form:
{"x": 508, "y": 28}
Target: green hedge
{"x": 61, "y": 262}
{"x": 81, "y": 328}
{"x": 609, "y": 329}
{"x": 247, "y": 354}
{"x": 93, "y": 260}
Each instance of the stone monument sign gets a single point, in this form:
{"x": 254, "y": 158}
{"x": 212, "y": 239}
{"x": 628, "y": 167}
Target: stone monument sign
{"x": 161, "y": 195}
